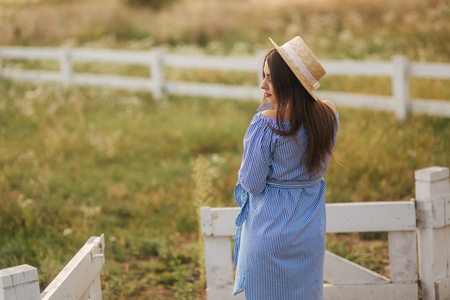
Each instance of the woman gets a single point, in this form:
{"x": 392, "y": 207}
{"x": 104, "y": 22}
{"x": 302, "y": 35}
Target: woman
{"x": 280, "y": 238}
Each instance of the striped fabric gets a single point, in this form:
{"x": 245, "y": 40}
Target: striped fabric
{"x": 280, "y": 237}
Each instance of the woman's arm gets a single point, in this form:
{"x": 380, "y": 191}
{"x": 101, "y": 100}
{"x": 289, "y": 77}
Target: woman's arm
{"x": 257, "y": 157}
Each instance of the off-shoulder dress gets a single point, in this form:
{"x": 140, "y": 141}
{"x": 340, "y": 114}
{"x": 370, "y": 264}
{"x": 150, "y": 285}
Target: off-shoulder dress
{"x": 280, "y": 238}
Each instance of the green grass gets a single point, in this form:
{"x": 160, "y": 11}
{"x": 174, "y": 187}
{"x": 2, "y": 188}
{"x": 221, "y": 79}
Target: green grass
{"x": 84, "y": 161}
{"x": 91, "y": 161}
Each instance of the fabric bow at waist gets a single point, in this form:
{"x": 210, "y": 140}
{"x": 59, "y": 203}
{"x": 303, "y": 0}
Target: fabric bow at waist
{"x": 242, "y": 197}
{"x": 293, "y": 184}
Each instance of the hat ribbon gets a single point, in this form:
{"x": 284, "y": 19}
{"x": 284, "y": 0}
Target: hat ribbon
{"x": 298, "y": 62}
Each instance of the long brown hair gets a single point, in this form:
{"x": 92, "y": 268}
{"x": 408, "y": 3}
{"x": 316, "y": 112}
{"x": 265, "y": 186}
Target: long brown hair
{"x": 319, "y": 119}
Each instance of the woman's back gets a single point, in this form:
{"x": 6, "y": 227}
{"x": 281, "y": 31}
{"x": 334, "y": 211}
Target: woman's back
{"x": 287, "y": 153}
{"x": 282, "y": 221}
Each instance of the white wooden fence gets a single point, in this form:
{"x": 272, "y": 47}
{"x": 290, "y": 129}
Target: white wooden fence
{"x": 399, "y": 69}
{"x": 80, "y": 278}
{"x": 347, "y": 280}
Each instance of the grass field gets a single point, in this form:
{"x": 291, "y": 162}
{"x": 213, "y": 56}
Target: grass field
{"x": 85, "y": 161}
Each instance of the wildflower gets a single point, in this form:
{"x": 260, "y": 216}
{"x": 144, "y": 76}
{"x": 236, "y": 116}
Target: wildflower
{"x": 217, "y": 159}
{"x": 90, "y": 211}
{"x": 24, "y": 203}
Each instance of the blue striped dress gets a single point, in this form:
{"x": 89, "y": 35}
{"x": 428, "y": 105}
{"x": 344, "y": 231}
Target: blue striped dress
{"x": 280, "y": 237}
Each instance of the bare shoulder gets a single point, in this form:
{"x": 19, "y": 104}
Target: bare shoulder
{"x": 330, "y": 105}
{"x": 270, "y": 114}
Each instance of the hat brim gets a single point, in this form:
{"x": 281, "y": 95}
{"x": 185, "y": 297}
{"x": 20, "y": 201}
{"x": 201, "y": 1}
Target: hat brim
{"x": 295, "y": 70}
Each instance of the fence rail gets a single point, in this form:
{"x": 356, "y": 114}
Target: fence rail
{"x": 398, "y": 69}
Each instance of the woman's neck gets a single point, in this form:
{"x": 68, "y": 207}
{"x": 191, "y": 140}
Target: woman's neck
{"x": 285, "y": 113}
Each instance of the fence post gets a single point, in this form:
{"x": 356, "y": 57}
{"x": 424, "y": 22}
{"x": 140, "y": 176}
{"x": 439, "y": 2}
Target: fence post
{"x": 218, "y": 263}
{"x": 157, "y": 73}
{"x": 400, "y": 87}
{"x": 66, "y": 66}
{"x": 433, "y": 217}
{"x": 20, "y": 282}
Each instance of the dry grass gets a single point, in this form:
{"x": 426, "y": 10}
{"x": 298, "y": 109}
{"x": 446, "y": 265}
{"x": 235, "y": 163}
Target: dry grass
{"x": 350, "y": 29}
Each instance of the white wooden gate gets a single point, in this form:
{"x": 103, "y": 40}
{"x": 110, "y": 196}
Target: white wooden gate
{"x": 348, "y": 280}
{"x": 79, "y": 280}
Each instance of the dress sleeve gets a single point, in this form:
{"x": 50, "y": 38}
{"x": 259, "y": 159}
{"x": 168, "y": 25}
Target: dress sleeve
{"x": 257, "y": 156}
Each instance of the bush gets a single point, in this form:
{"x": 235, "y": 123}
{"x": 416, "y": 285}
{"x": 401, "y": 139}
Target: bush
{"x": 153, "y": 4}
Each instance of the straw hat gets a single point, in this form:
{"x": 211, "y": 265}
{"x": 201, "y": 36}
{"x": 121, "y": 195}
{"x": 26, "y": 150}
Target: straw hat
{"x": 302, "y": 61}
